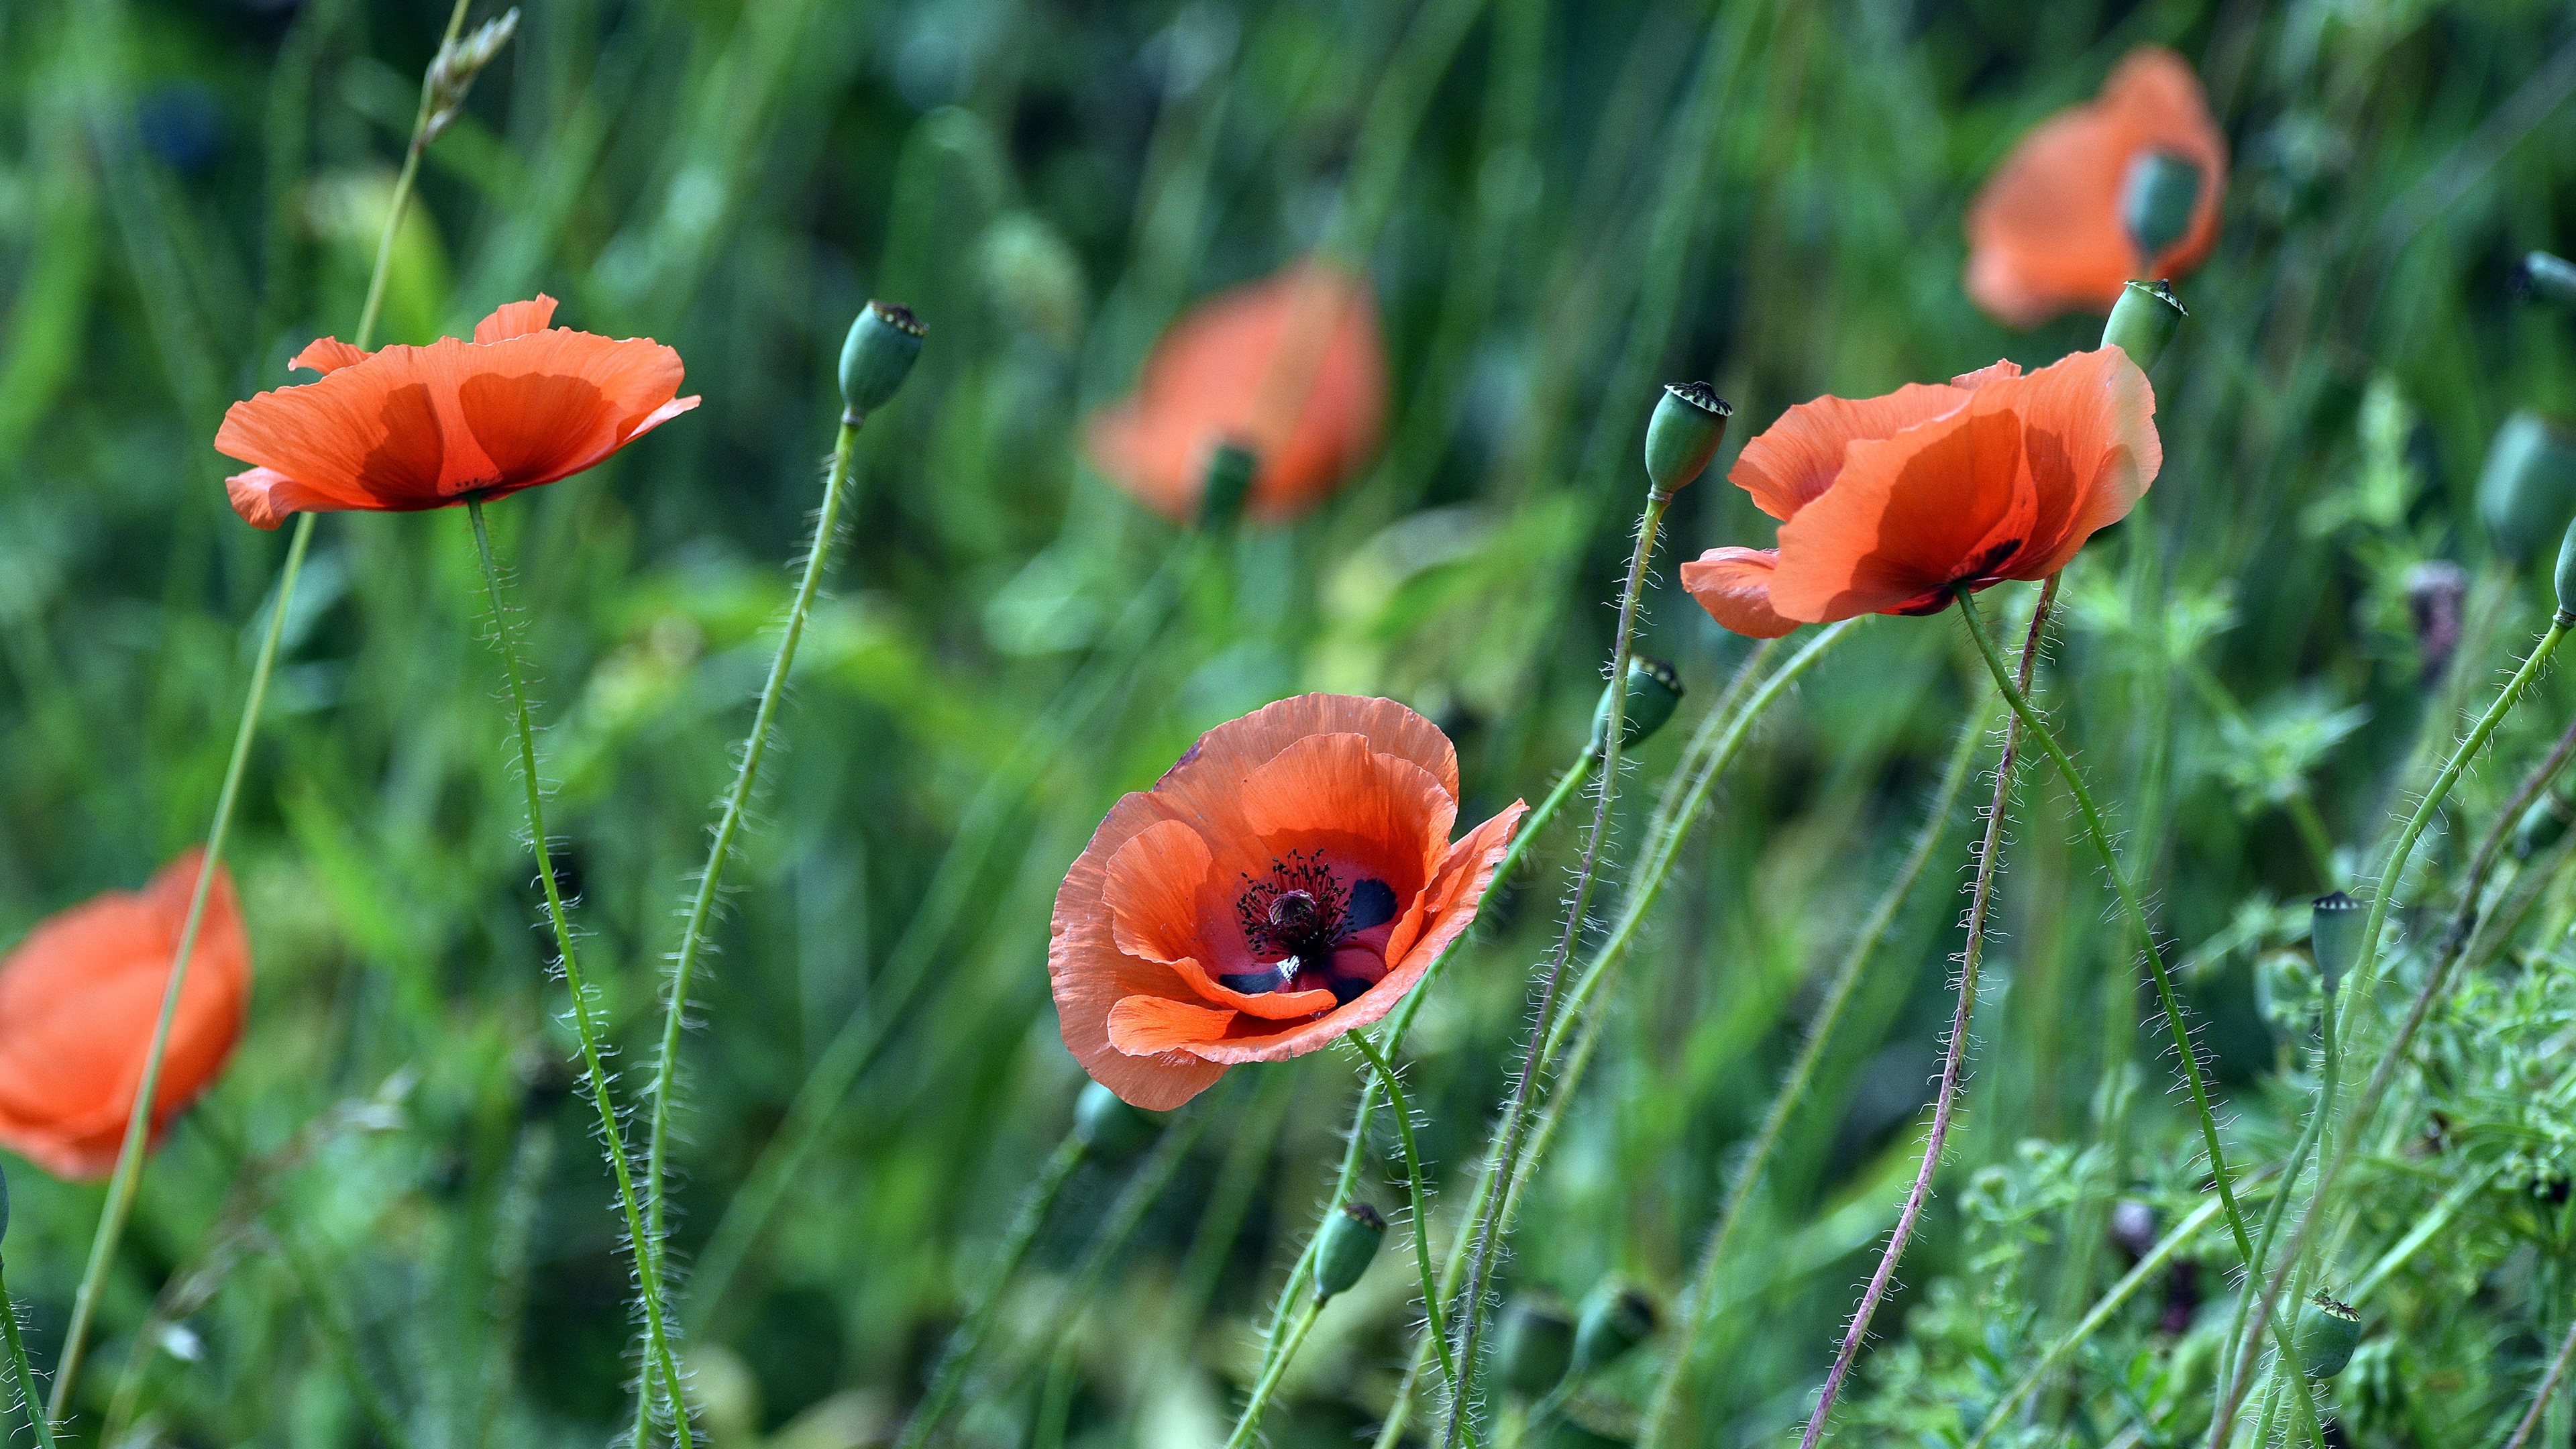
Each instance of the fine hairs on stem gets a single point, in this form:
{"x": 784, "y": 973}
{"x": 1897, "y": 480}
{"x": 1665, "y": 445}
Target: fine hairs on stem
{"x": 127, "y": 1178}
{"x": 1469, "y": 1309}
{"x": 648, "y": 1269}
{"x": 1955, "y": 1055}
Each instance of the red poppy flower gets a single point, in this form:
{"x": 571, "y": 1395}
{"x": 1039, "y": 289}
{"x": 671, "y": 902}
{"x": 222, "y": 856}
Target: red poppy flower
{"x": 1290, "y": 367}
{"x": 1286, "y": 882}
{"x": 1888, "y": 502}
{"x": 410, "y": 428}
{"x": 2047, "y": 234}
{"x": 78, "y": 1002}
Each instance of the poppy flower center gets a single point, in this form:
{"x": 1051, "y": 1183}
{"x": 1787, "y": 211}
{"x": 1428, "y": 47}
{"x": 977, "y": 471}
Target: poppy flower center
{"x": 1308, "y": 931}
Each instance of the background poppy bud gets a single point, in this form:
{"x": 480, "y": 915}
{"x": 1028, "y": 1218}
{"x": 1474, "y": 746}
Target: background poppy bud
{"x": 2566, "y": 579}
{"x": 2328, "y": 1333}
{"x": 1684, "y": 433}
{"x": 877, "y": 356}
{"x": 2542, "y": 826}
{"x": 2143, "y": 321}
{"x": 1108, "y": 1128}
{"x": 2157, "y": 197}
{"x": 1534, "y": 1343}
{"x": 2336, "y": 936}
{"x": 2544, "y": 278}
{"x": 1230, "y": 472}
{"x": 1654, "y": 692}
{"x": 1616, "y": 1318}
{"x": 1346, "y": 1247}
{"x": 2528, "y": 489}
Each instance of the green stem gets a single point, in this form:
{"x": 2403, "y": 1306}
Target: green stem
{"x": 1488, "y": 1232}
{"x": 1432, "y": 1309}
{"x": 950, "y": 1376}
{"x": 2235, "y": 1350}
{"x": 1249, "y": 1425}
{"x": 2548, "y": 1387}
{"x": 24, "y": 1376}
{"x": 737, "y": 805}
{"x": 648, "y": 1268}
{"x": 1702, "y": 1297}
{"x": 127, "y": 1178}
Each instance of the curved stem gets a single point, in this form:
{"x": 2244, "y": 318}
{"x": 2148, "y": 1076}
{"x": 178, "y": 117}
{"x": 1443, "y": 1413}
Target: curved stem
{"x": 1954, "y": 1059}
{"x": 950, "y": 1376}
{"x": 1702, "y": 1296}
{"x": 1246, "y": 1427}
{"x": 2235, "y": 1351}
{"x": 737, "y": 805}
{"x": 2548, "y": 1386}
{"x": 25, "y": 1376}
{"x": 1470, "y": 1306}
{"x": 1431, "y": 1305}
{"x": 648, "y": 1268}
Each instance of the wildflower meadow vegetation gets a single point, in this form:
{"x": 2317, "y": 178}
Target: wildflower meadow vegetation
{"x": 802, "y": 724}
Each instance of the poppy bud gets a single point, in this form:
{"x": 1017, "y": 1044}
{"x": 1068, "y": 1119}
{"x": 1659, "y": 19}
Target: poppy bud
{"x": 2328, "y": 1333}
{"x": 1534, "y": 1343}
{"x": 1108, "y": 1128}
{"x": 1346, "y": 1247}
{"x": 2542, "y": 277}
{"x": 1654, "y": 692}
{"x": 877, "y": 356}
{"x": 2528, "y": 489}
{"x": 2542, "y": 826}
{"x": 2143, "y": 321}
{"x": 1230, "y": 471}
{"x": 2156, "y": 201}
{"x": 1684, "y": 433}
{"x": 1616, "y": 1318}
{"x": 2566, "y": 578}
{"x": 2335, "y": 935}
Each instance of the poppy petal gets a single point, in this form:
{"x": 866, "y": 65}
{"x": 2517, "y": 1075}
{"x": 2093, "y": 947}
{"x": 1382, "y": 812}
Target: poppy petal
{"x": 1734, "y": 586}
{"x": 2089, "y": 429}
{"x": 1794, "y": 460}
{"x": 515, "y": 319}
{"x": 1160, "y": 907}
{"x": 1090, "y": 975}
{"x": 1333, "y": 793}
{"x": 327, "y": 355}
{"x": 1202, "y": 786}
{"x": 1909, "y": 516}
{"x": 1144, "y": 1026}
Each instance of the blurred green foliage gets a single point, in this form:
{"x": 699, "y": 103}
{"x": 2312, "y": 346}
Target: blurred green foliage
{"x": 1561, "y": 206}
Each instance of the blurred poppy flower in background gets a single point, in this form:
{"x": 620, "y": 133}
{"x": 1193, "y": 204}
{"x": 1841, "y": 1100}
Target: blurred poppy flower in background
{"x": 78, "y": 1002}
{"x": 409, "y": 428}
{"x": 1888, "y": 502}
{"x": 1287, "y": 881}
{"x": 2127, "y": 186}
{"x": 1290, "y": 367}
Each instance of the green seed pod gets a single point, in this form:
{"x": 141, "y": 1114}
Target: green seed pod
{"x": 2541, "y": 277}
{"x": 877, "y": 356}
{"x": 2543, "y": 825}
{"x": 1689, "y": 423}
{"x": 2566, "y": 578}
{"x": 2156, "y": 202}
{"x": 1108, "y": 1128}
{"x": 1654, "y": 692}
{"x": 1346, "y": 1247}
{"x": 2328, "y": 1333}
{"x": 2527, "y": 490}
{"x": 2335, "y": 934}
{"x": 1230, "y": 471}
{"x": 2143, "y": 321}
{"x": 1534, "y": 1343}
{"x": 1616, "y": 1318}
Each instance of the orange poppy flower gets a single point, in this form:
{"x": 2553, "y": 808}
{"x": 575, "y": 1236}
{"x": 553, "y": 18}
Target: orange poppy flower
{"x": 2047, "y": 233}
{"x": 78, "y": 1002}
{"x": 410, "y": 428}
{"x": 1291, "y": 367}
{"x": 1886, "y": 503}
{"x": 1286, "y": 882}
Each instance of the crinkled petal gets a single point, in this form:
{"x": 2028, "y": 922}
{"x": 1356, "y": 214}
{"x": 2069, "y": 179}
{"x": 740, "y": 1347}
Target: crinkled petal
{"x": 1734, "y": 586}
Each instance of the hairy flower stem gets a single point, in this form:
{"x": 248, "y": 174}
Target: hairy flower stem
{"x": 1700, "y": 1302}
{"x": 127, "y": 1179}
{"x": 1432, "y": 1309}
{"x": 2364, "y": 978}
{"x": 2100, "y": 836}
{"x": 23, "y": 1376}
{"x": 1480, "y": 1261}
{"x": 1955, "y": 1058}
{"x": 950, "y": 1376}
{"x": 1248, "y": 1427}
{"x": 648, "y": 1268}
{"x": 737, "y": 805}
{"x": 2236, "y": 1351}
